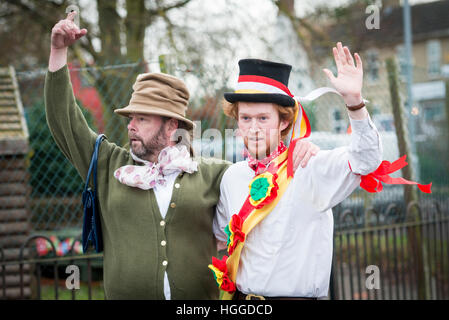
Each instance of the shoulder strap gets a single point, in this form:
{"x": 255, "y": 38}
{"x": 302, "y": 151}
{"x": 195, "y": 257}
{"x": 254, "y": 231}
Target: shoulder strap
{"x": 93, "y": 164}
{"x": 91, "y": 219}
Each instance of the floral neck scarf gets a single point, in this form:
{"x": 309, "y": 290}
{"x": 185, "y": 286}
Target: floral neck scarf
{"x": 170, "y": 160}
{"x": 260, "y": 166}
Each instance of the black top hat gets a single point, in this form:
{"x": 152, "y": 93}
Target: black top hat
{"x": 262, "y": 81}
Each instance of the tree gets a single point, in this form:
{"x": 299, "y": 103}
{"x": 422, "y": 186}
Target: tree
{"x": 201, "y": 42}
{"x": 32, "y": 20}
{"x": 310, "y": 34}
{"x": 318, "y": 30}
{"x": 39, "y": 16}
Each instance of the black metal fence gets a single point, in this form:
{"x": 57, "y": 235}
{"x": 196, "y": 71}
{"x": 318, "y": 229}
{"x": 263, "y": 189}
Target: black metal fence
{"x": 398, "y": 254}
{"x": 38, "y": 273}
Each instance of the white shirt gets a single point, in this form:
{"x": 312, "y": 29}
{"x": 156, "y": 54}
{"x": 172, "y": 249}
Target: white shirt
{"x": 289, "y": 253}
{"x": 163, "y": 196}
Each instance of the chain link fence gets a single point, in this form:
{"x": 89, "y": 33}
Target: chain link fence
{"x": 53, "y": 200}
{"x": 41, "y": 191}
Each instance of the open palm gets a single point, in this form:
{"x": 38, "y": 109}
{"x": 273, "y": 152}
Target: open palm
{"x": 349, "y": 79}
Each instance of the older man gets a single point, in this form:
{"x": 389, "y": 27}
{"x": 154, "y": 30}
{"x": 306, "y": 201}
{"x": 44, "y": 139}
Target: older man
{"x": 157, "y": 202}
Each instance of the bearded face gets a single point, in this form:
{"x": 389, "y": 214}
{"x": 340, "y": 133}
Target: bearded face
{"x": 147, "y": 135}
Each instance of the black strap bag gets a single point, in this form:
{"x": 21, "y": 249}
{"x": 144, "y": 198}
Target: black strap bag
{"x": 91, "y": 220}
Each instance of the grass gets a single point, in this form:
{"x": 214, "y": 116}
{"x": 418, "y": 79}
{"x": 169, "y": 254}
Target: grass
{"x": 48, "y": 291}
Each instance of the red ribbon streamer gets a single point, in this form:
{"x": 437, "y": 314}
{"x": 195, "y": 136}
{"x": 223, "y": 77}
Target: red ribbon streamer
{"x": 372, "y": 182}
{"x": 291, "y": 147}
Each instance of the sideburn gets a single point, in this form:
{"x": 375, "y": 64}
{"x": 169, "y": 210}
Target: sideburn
{"x": 156, "y": 143}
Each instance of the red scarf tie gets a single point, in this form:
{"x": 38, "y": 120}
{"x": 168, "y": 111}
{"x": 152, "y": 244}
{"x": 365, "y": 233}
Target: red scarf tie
{"x": 260, "y": 166}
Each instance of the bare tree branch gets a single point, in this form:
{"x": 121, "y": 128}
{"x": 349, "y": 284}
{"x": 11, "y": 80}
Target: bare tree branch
{"x": 309, "y": 39}
{"x": 179, "y": 4}
{"x": 46, "y": 21}
{"x": 170, "y": 27}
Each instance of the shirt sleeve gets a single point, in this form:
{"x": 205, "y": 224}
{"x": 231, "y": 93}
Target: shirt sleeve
{"x": 365, "y": 150}
{"x": 222, "y": 217}
{"x": 332, "y": 175}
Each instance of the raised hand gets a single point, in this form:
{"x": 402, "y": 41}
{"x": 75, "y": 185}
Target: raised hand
{"x": 66, "y": 32}
{"x": 349, "y": 80}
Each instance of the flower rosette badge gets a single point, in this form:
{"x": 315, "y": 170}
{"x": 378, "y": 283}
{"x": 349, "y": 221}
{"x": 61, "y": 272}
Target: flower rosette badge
{"x": 263, "y": 189}
{"x": 234, "y": 232}
{"x": 221, "y": 274}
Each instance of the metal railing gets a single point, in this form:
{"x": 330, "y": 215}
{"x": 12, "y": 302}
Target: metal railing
{"x": 398, "y": 254}
{"x": 405, "y": 256}
{"x": 23, "y": 278}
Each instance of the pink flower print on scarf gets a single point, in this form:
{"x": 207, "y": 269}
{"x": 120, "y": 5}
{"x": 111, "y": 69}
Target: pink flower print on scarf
{"x": 171, "y": 159}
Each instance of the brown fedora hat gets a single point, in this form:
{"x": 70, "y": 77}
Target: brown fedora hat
{"x": 158, "y": 94}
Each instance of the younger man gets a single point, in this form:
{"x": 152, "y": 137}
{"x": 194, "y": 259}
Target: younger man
{"x": 279, "y": 237}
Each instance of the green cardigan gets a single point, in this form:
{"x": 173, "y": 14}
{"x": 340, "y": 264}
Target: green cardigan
{"x": 133, "y": 228}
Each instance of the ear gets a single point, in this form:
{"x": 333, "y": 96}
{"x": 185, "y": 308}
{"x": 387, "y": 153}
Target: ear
{"x": 283, "y": 125}
{"x": 171, "y": 126}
